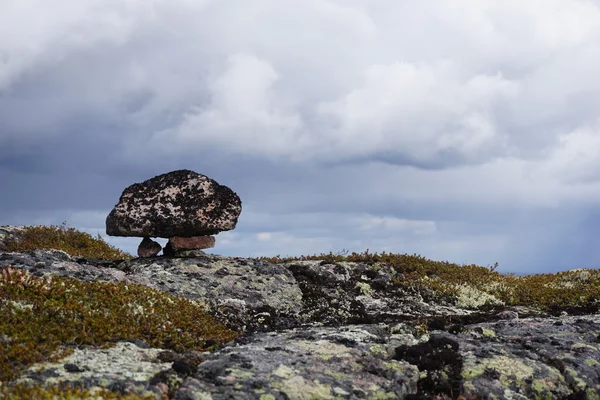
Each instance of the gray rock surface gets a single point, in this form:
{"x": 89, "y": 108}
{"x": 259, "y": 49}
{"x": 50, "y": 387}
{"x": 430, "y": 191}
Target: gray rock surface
{"x": 127, "y": 366}
{"x": 178, "y": 203}
{"x": 307, "y": 363}
{"x": 333, "y": 330}
{"x": 542, "y": 358}
{"x": 254, "y": 295}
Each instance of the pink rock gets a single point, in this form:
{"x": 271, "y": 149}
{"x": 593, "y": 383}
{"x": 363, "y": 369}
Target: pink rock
{"x": 148, "y": 248}
{"x": 179, "y": 203}
{"x": 191, "y": 243}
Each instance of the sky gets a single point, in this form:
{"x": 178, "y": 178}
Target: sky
{"x": 466, "y": 131}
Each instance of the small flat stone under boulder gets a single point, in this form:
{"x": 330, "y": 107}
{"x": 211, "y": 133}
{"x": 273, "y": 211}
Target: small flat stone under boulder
{"x": 188, "y": 247}
{"x": 179, "y": 203}
{"x": 148, "y": 248}
{"x": 191, "y": 243}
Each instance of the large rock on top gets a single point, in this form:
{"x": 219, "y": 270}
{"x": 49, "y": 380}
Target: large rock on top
{"x": 179, "y": 203}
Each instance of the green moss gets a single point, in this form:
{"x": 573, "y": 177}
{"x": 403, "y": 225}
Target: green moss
{"x": 62, "y": 392}
{"x": 44, "y": 318}
{"x": 575, "y": 291}
{"x": 70, "y": 240}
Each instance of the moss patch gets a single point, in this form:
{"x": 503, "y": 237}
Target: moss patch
{"x": 62, "y": 392}
{"x": 43, "y": 318}
{"x": 70, "y": 240}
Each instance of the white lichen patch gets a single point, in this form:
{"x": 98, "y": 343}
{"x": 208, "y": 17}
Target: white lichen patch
{"x": 18, "y": 305}
{"x": 571, "y": 279}
{"x": 365, "y": 289}
{"x": 124, "y": 361}
{"x": 283, "y": 371}
{"x": 298, "y": 388}
{"x": 470, "y": 297}
{"x": 323, "y": 348}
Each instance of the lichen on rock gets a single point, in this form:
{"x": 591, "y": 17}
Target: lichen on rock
{"x": 359, "y": 326}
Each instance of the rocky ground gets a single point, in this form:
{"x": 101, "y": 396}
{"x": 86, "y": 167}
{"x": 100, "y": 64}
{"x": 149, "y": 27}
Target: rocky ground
{"x": 326, "y": 330}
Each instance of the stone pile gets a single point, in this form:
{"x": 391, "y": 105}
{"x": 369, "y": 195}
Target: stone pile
{"x": 183, "y": 206}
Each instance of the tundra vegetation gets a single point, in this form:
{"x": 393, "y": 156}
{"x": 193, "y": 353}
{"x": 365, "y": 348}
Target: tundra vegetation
{"x": 575, "y": 291}
{"x": 44, "y": 319}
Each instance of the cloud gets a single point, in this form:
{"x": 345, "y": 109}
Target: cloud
{"x": 387, "y": 225}
{"x": 244, "y": 115}
{"x": 35, "y": 36}
{"x": 464, "y": 130}
{"x": 421, "y": 114}
{"x": 576, "y": 158}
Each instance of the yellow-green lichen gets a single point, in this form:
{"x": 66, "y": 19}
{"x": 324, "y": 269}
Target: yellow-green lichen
{"x": 505, "y": 366}
{"x": 591, "y": 362}
{"x": 579, "y": 346}
{"x": 397, "y": 366}
{"x": 323, "y": 348}
{"x": 485, "y": 332}
{"x": 592, "y": 394}
{"x": 573, "y": 379}
{"x": 378, "y": 350}
{"x": 542, "y": 389}
{"x": 283, "y": 371}
{"x": 236, "y": 374}
{"x": 298, "y": 388}
{"x": 382, "y": 395}
{"x": 364, "y": 288}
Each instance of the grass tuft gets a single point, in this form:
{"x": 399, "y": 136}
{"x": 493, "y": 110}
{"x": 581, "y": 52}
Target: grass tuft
{"x": 68, "y": 239}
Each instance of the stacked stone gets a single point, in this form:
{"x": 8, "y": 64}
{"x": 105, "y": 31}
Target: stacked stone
{"x": 183, "y": 206}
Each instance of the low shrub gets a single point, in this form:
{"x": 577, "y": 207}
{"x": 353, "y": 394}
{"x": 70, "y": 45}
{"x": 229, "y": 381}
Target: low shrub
{"x": 68, "y": 239}
{"x": 43, "y": 318}
{"x": 576, "y": 291}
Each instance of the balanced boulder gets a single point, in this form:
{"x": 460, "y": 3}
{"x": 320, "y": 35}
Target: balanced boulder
{"x": 179, "y": 203}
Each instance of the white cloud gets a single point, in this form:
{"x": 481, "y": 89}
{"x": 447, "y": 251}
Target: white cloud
{"x": 576, "y": 157}
{"x": 264, "y": 236}
{"x": 387, "y": 225}
{"x": 432, "y": 84}
{"x": 391, "y": 116}
{"x": 34, "y": 33}
{"x": 419, "y": 112}
{"x": 244, "y": 114}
